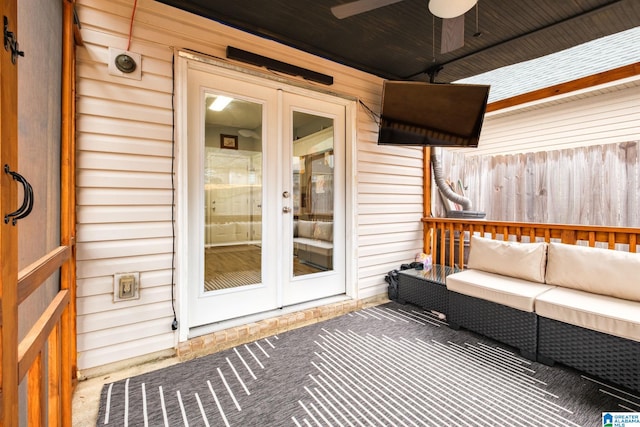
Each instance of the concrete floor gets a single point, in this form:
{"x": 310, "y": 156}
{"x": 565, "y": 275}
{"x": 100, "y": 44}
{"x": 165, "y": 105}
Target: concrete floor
{"x": 86, "y": 398}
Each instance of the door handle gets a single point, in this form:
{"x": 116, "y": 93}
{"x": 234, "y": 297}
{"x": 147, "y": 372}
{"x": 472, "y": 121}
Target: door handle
{"x": 286, "y": 209}
{"x": 27, "y": 202}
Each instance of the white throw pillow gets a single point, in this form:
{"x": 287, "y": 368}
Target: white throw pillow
{"x": 522, "y": 260}
{"x": 596, "y": 270}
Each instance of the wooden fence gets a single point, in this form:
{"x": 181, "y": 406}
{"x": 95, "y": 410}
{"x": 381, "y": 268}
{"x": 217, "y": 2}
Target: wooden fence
{"x": 597, "y": 184}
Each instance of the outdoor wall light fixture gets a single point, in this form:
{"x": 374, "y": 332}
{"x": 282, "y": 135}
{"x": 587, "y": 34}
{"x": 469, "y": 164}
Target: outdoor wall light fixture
{"x": 447, "y": 9}
{"x": 125, "y": 63}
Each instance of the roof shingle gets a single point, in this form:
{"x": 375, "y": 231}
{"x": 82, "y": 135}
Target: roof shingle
{"x": 584, "y": 60}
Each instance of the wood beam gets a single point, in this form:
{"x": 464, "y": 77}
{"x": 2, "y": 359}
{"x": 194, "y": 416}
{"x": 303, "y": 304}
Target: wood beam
{"x": 68, "y": 342}
{"x": 31, "y": 277}
{"x": 574, "y": 85}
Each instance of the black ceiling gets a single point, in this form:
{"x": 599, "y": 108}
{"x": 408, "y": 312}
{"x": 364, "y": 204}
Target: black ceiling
{"x": 396, "y": 41}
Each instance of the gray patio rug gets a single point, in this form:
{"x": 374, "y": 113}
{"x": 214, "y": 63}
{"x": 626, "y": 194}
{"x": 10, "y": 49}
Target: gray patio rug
{"x": 391, "y": 365}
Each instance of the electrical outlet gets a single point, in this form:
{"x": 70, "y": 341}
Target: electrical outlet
{"x": 126, "y": 286}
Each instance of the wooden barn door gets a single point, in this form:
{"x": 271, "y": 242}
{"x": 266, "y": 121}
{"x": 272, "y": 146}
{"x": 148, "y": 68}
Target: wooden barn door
{"x": 37, "y": 329}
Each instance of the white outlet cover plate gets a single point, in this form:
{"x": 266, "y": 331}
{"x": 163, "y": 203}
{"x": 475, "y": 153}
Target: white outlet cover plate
{"x": 113, "y": 70}
{"x": 116, "y": 286}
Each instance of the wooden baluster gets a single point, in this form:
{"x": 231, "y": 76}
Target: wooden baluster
{"x": 451, "y": 245}
{"x": 442, "y": 245}
{"x": 55, "y": 376}
{"x": 568, "y": 236}
{"x": 36, "y": 393}
{"x": 461, "y": 246}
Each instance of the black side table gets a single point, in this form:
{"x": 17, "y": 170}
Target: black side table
{"x": 425, "y": 288}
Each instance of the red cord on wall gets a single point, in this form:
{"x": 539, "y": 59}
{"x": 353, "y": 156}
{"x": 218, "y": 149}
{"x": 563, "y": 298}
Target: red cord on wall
{"x": 133, "y": 13}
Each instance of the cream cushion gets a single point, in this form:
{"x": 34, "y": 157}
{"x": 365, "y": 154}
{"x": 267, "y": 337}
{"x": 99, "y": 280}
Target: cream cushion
{"x": 600, "y": 271}
{"x": 323, "y": 230}
{"x": 305, "y": 228}
{"x": 510, "y": 291}
{"x": 600, "y": 313}
{"x": 521, "y": 260}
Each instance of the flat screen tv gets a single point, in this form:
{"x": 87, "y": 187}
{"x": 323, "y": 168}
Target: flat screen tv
{"x": 432, "y": 114}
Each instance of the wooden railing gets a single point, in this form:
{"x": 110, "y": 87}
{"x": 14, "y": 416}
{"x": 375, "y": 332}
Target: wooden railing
{"x": 446, "y": 233}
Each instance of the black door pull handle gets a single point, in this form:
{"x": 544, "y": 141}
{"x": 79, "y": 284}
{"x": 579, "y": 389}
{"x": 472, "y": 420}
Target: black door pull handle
{"x": 27, "y": 202}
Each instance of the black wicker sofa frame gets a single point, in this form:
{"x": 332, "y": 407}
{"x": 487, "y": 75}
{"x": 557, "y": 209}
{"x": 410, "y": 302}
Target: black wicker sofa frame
{"x": 551, "y": 302}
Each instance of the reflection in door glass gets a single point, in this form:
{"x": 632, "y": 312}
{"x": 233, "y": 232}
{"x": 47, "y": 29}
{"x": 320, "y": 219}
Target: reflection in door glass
{"x": 312, "y": 193}
{"x": 232, "y": 193}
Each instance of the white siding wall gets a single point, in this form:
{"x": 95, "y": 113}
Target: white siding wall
{"x": 601, "y": 115}
{"x": 124, "y": 174}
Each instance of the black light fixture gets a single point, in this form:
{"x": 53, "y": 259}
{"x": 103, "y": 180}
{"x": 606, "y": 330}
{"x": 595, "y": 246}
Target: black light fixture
{"x": 125, "y": 63}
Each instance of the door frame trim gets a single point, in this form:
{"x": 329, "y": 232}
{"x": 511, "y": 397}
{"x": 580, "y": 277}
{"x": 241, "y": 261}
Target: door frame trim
{"x": 186, "y": 59}
{"x": 258, "y": 73}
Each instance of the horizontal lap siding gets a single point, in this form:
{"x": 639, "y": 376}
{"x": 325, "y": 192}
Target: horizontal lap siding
{"x": 596, "y": 118}
{"x": 124, "y": 193}
{"x": 100, "y": 285}
{"x": 390, "y": 205}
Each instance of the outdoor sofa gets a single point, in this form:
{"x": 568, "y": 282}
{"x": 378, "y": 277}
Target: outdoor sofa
{"x": 313, "y": 242}
{"x": 555, "y": 302}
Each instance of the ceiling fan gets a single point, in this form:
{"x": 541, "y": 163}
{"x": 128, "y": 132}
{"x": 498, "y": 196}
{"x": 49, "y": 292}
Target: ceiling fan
{"x": 451, "y": 11}
{"x": 248, "y": 133}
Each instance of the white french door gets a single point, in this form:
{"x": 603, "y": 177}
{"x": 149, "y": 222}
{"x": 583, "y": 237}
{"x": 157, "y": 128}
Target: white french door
{"x": 313, "y": 178}
{"x": 264, "y": 199}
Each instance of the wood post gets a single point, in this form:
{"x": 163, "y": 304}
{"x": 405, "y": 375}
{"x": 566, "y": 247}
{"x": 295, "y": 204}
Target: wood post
{"x": 68, "y": 368}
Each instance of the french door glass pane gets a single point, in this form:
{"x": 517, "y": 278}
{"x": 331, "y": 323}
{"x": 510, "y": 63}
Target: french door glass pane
{"x": 232, "y": 193}
{"x": 312, "y": 193}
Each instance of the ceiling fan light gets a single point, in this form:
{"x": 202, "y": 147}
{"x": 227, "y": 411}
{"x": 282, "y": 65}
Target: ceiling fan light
{"x": 220, "y": 103}
{"x": 446, "y": 9}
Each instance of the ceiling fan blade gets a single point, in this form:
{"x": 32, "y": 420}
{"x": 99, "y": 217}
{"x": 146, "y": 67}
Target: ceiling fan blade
{"x": 359, "y": 6}
{"x": 452, "y": 34}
